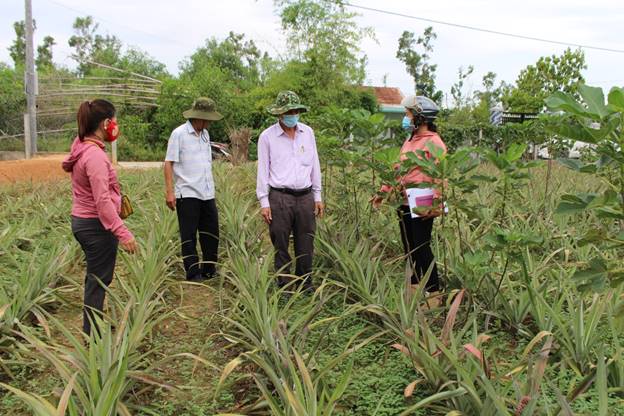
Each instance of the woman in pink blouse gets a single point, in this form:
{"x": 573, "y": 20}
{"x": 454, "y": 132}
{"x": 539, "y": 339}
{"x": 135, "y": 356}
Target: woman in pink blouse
{"x": 420, "y": 114}
{"x": 96, "y": 203}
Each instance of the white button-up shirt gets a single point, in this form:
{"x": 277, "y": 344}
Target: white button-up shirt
{"x": 191, "y": 155}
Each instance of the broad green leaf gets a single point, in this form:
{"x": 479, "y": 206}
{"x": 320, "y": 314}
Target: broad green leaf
{"x": 388, "y": 156}
{"x": 560, "y": 101}
{"x": 515, "y": 151}
{"x": 594, "y": 99}
{"x": 436, "y": 151}
{"x": 610, "y": 212}
{"x": 616, "y": 99}
{"x": 593, "y": 277}
{"x": 498, "y": 161}
{"x": 571, "y": 204}
{"x": 377, "y": 118}
{"x": 607, "y": 200}
{"x": 574, "y": 130}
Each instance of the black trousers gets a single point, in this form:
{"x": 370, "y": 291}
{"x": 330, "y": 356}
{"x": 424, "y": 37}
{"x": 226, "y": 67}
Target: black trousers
{"x": 100, "y": 249}
{"x": 198, "y": 216}
{"x": 293, "y": 215}
{"x": 416, "y": 238}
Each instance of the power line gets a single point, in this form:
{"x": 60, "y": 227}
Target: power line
{"x": 478, "y": 29}
{"x": 82, "y": 12}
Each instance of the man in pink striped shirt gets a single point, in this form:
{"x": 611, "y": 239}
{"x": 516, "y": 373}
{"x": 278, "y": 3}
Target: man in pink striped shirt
{"x": 289, "y": 187}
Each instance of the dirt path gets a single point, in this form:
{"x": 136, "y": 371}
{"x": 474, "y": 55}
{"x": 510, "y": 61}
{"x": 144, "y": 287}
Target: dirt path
{"x": 39, "y": 169}
{"x": 48, "y": 168}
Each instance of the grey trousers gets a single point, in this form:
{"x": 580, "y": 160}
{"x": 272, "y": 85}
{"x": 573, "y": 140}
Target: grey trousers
{"x": 293, "y": 215}
{"x": 100, "y": 249}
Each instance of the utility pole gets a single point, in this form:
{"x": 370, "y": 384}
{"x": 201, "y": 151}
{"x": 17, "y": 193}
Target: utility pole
{"x": 30, "y": 118}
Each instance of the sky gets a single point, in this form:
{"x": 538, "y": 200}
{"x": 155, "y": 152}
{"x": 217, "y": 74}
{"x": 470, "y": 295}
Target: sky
{"x": 171, "y": 30}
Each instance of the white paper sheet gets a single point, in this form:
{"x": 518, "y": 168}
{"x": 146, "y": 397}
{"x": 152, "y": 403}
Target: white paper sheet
{"x": 421, "y": 197}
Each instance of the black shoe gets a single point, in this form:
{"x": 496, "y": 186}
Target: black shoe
{"x": 198, "y": 278}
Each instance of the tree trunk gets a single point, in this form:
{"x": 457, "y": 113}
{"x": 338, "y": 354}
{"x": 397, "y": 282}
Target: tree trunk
{"x": 240, "y": 138}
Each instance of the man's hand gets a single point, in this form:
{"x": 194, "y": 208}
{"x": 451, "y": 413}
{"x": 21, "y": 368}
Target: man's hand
{"x": 171, "y": 201}
{"x": 376, "y": 201}
{"x": 266, "y": 215}
{"x": 319, "y": 209}
{"x": 130, "y": 246}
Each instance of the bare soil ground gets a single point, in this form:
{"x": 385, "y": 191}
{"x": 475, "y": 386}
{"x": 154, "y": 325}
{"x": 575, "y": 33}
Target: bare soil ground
{"x": 39, "y": 169}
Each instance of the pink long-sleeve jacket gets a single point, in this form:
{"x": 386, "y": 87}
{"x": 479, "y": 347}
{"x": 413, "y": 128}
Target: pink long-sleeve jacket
{"x": 95, "y": 188}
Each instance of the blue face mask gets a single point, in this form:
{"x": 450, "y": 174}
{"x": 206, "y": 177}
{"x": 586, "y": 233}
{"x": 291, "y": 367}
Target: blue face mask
{"x": 290, "y": 120}
{"x": 407, "y": 124}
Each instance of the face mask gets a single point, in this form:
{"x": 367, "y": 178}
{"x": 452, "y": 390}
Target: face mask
{"x": 112, "y": 131}
{"x": 406, "y": 124}
{"x": 290, "y": 120}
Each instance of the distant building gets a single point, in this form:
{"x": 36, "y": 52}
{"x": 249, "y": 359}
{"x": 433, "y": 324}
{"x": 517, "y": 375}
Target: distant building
{"x": 389, "y": 100}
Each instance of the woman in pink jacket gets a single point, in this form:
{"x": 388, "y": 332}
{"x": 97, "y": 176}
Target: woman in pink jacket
{"x": 96, "y": 203}
{"x": 420, "y": 114}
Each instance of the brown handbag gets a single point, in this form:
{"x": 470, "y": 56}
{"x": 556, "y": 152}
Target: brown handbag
{"x": 126, "y": 207}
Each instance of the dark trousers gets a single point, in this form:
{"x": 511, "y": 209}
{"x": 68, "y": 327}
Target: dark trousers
{"x": 198, "y": 216}
{"x": 416, "y": 238}
{"x": 293, "y": 215}
{"x": 100, "y": 249}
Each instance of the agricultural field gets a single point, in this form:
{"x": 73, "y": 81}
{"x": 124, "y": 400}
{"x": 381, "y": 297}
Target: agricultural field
{"x": 515, "y": 332}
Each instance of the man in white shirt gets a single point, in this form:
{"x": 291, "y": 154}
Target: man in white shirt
{"x": 190, "y": 189}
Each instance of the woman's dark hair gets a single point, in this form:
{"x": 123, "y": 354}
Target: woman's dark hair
{"x": 430, "y": 124}
{"x": 91, "y": 114}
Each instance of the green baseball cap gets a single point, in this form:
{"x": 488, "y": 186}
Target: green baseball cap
{"x": 286, "y": 101}
{"x": 203, "y": 109}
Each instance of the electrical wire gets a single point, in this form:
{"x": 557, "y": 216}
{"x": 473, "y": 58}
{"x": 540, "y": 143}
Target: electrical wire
{"x": 478, "y": 29}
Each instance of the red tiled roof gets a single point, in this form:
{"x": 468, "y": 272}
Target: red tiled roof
{"x": 387, "y": 95}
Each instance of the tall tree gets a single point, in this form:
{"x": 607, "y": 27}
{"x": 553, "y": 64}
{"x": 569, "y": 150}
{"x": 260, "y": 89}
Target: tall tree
{"x": 418, "y": 63}
{"x": 238, "y": 57}
{"x": 18, "y": 49}
{"x": 548, "y": 75}
{"x": 90, "y": 46}
{"x": 457, "y": 89}
{"x": 325, "y": 36}
{"x": 44, "y": 53}
{"x": 137, "y": 61}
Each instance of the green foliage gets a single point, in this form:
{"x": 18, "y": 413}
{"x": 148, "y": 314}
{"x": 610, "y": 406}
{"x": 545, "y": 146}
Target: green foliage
{"x": 561, "y": 354}
{"x": 608, "y": 162}
{"x": 44, "y": 54}
{"x": 12, "y": 101}
{"x": 548, "y": 75}
{"x": 325, "y": 36}
{"x": 237, "y": 57}
{"x": 91, "y": 46}
{"x": 18, "y": 49}
{"x": 457, "y": 92}
{"x": 417, "y": 64}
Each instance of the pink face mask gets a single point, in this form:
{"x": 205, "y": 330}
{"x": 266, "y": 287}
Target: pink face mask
{"x": 112, "y": 131}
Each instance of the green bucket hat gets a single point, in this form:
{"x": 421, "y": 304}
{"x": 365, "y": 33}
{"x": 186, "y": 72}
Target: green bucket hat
{"x": 203, "y": 109}
{"x": 286, "y": 101}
